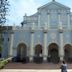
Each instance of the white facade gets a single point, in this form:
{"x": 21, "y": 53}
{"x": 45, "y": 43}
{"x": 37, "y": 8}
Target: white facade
{"x": 48, "y": 31}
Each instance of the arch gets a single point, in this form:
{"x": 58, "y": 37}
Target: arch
{"x": 53, "y": 52}
{"x": 67, "y": 52}
{"x": 38, "y": 54}
{"x": 38, "y": 50}
{"x": 53, "y": 46}
{"x": 21, "y": 51}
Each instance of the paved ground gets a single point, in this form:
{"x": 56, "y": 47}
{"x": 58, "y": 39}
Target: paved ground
{"x": 34, "y": 66}
{"x": 31, "y": 70}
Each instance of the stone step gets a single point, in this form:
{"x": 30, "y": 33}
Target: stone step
{"x": 34, "y": 66}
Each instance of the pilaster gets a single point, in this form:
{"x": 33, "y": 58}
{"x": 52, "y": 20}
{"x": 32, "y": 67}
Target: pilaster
{"x": 68, "y": 16}
{"x": 39, "y": 16}
{"x": 61, "y": 49}
{"x": 48, "y": 17}
{"x": 32, "y": 47}
{"x": 45, "y": 50}
{"x": 32, "y": 44}
{"x": 11, "y": 42}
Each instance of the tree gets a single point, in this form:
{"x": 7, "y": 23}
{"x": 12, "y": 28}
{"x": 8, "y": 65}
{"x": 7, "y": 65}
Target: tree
{"x": 3, "y": 12}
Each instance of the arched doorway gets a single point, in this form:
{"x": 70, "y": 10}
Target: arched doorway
{"x": 21, "y": 51}
{"x": 38, "y": 50}
{"x": 67, "y": 52}
{"x": 38, "y": 54}
{"x": 53, "y": 53}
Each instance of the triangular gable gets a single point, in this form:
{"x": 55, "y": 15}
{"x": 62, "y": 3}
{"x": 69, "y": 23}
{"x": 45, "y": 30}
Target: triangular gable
{"x": 54, "y": 5}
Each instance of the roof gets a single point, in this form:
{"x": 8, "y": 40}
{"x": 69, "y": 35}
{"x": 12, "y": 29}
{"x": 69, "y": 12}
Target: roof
{"x": 34, "y": 15}
{"x": 53, "y": 5}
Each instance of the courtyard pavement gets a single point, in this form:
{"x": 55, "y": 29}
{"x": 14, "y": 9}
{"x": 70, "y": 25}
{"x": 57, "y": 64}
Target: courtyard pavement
{"x": 32, "y": 70}
{"x": 33, "y": 67}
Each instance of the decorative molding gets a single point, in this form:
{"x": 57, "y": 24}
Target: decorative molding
{"x": 32, "y": 31}
{"x": 59, "y": 13}
{"x": 39, "y": 13}
{"x": 45, "y": 30}
{"x": 12, "y": 32}
{"x": 60, "y": 30}
{"x": 48, "y": 13}
{"x": 53, "y": 36}
{"x": 68, "y": 13}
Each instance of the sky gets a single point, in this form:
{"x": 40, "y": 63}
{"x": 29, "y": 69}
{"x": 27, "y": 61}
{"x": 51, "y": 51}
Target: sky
{"x": 18, "y": 8}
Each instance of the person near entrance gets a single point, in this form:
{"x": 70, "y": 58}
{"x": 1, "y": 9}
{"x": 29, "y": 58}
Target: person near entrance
{"x": 63, "y": 67}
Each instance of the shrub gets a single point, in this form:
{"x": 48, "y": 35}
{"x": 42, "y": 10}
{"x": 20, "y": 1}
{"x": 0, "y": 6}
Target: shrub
{"x": 3, "y": 63}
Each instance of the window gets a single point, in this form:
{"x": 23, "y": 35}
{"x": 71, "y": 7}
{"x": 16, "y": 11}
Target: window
{"x": 8, "y": 39}
{"x": 2, "y": 39}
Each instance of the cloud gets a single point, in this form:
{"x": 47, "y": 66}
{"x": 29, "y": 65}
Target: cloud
{"x": 18, "y": 8}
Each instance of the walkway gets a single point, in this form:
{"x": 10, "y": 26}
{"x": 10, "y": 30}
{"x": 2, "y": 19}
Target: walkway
{"x": 31, "y": 70}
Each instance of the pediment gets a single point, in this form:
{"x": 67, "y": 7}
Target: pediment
{"x": 54, "y": 5}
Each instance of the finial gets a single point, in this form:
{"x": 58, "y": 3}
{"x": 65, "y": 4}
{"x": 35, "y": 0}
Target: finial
{"x": 53, "y": 0}
{"x": 25, "y": 14}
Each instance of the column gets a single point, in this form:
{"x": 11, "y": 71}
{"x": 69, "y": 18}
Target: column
{"x": 68, "y": 20}
{"x": 69, "y": 28}
{"x": 59, "y": 18}
{"x": 11, "y": 42}
{"x": 32, "y": 44}
{"x": 39, "y": 16}
{"x": 45, "y": 50}
{"x": 48, "y": 17}
{"x": 61, "y": 49}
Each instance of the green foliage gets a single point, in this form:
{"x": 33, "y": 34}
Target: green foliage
{"x": 0, "y": 42}
{"x": 3, "y": 63}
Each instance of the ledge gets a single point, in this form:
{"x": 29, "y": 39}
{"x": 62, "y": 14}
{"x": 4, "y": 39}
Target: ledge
{"x": 32, "y": 31}
{"x": 45, "y": 31}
